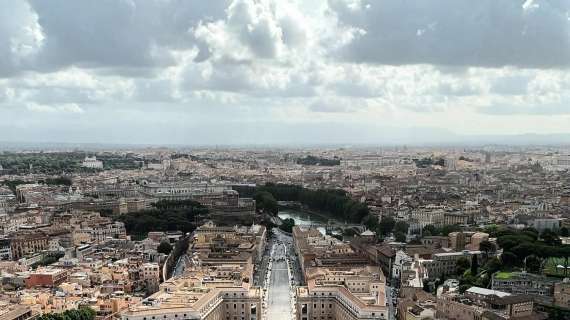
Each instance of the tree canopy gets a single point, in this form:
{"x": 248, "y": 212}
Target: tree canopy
{"x": 386, "y": 225}
{"x": 334, "y": 202}
{"x": 83, "y": 313}
{"x": 318, "y": 161}
{"x": 164, "y": 216}
{"x": 164, "y": 247}
{"x": 287, "y": 225}
{"x": 266, "y": 202}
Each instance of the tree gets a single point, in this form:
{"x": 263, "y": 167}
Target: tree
{"x": 83, "y": 313}
{"x": 426, "y": 286}
{"x": 491, "y": 230}
{"x": 474, "y": 265}
{"x": 551, "y": 238}
{"x": 400, "y": 236}
{"x": 533, "y": 264}
{"x": 487, "y": 247}
{"x": 493, "y": 265}
{"x": 430, "y": 230}
{"x": 164, "y": 247}
{"x": 371, "y": 222}
{"x": 287, "y": 225}
{"x": 386, "y": 225}
{"x": 266, "y": 202}
{"x": 446, "y": 230}
{"x": 462, "y": 265}
{"x": 509, "y": 259}
{"x": 525, "y": 249}
{"x": 334, "y": 202}
{"x": 564, "y": 232}
{"x": 401, "y": 227}
{"x": 164, "y": 216}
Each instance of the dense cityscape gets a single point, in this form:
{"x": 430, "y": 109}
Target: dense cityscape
{"x": 305, "y": 234}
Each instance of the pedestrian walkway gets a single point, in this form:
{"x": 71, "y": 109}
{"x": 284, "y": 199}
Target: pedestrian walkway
{"x": 279, "y": 292}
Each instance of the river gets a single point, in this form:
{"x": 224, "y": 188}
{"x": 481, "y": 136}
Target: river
{"x": 302, "y": 218}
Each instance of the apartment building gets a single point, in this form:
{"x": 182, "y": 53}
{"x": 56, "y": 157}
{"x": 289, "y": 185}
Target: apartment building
{"x": 200, "y": 293}
{"x": 444, "y": 264}
{"x": 466, "y": 240}
{"x": 538, "y": 286}
{"x": 9, "y": 311}
{"x": 483, "y": 304}
{"x": 26, "y": 243}
{"x": 5, "y": 249}
{"x": 562, "y": 293}
{"x": 429, "y": 215}
{"x": 347, "y": 294}
{"x": 341, "y": 282}
{"x": 46, "y": 277}
{"x": 98, "y": 229}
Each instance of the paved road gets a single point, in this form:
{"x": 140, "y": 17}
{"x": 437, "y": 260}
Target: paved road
{"x": 390, "y": 303}
{"x": 180, "y": 266}
{"x": 294, "y": 266}
{"x": 279, "y": 293}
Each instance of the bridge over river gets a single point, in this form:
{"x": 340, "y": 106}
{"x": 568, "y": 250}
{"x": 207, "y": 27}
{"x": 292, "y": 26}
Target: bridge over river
{"x": 303, "y": 218}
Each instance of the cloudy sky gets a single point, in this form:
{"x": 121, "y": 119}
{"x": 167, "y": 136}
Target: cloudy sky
{"x": 282, "y": 71}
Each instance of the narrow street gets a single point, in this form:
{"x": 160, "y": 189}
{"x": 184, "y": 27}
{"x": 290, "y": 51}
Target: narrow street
{"x": 390, "y": 299}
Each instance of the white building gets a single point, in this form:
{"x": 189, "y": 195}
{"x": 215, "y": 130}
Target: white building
{"x": 92, "y": 162}
{"x": 546, "y": 224}
{"x": 402, "y": 262}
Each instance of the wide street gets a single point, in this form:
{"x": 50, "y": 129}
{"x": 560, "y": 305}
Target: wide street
{"x": 279, "y": 292}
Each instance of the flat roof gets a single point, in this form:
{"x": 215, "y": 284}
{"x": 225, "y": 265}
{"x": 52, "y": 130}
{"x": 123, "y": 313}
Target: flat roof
{"x": 487, "y": 292}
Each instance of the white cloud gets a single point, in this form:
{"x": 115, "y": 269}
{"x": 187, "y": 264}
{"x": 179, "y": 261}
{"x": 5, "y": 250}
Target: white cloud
{"x": 62, "y": 108}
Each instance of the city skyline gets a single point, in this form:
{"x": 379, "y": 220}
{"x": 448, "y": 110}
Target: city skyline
{"x": 285, "y": 72}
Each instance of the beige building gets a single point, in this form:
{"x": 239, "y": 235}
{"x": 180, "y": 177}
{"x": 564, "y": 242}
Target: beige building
{"x": 216, "y": 284}
{"x": 237, "y": 239}
{"x": 480, "y": 303}
{"x": 342, "y": 295}
{"x": 200, "y": 294}
{"x": 340, "y": 282}
{"x": 23, "y": 244}
{"x": 467, "y": 240}
{"x": 445, "y": 263}
{"x": 562, "y": 293}
{"x": 10, "y": 311}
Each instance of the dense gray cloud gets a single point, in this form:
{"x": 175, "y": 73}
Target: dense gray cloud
{"x": 19, "y": 36}
{"x": 488, "y": 33}
{"x": 103, "y": 34}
